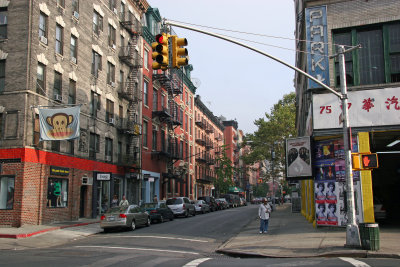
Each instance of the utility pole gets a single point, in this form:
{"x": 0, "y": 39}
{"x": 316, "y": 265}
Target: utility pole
{"x": 352, "y": 231}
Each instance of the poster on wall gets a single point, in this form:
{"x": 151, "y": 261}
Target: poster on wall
{"x": 330, "y": 183}
{"x": 298, "y": 157}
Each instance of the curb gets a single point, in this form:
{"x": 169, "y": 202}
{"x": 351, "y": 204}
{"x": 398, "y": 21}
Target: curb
{"x": 17, "y": 236}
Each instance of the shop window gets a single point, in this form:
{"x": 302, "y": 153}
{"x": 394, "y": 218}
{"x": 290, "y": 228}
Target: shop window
{"x": 7, "y": 193}
{"x": 57, "y": 193}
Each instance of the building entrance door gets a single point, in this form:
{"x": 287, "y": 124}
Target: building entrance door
{"x": 82, "y": 203}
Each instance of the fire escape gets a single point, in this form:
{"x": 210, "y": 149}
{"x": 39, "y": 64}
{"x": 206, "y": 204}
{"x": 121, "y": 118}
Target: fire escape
{"x": 130, "y": 89}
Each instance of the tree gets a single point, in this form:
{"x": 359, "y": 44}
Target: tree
{"x": 268, "y": 142}
{"x": 261, "y": 190}
{"x": 224, "y": 173}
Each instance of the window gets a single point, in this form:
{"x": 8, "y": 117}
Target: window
{"x": 97, "y": 23}
{"x": 110, "y": 73}
{"x": 72, "y": 92}
{"x": 162, "y": 101}
{"x": 41, "y": 79}
{"x": 2, "y": 75}
{"x": 3, "y": 23}
{"x": 7, "y": 192}
{"x": 122, "y": 9}
{"x": 94, "y": 104}
{"x": 146, "y": 59}
{"x": 36, "y": 132}
{"x": 155, "y": 99}
{"x": 190, "y": 126}
{"x": 112, "y": 36}
{"x": 146, "y": 93}
{"x": 119, "y": 152}
{"x": 57, "y": 193}
{"x": 375, "y": 63}
{"x": 59, "y": 39}
{"x": 75, "y": 6}
{"x": 57, "y": 85}
{"x": 73, "y": 49}
{"x": 94, "y": 145}
{"x": 96, "y": 63}
{"x": 121, "y": 81}
{"x": 145, "y": 133}
{"x": 163, "y": 142}
{"x": 181, "y": 150}
{"x": 70, "y": 147}
{"x": 109, "y": 110}
{"x": 154, "y": 138}
{"x": 109, "y": 149}
{"x": 60, "y": 3}
{"x": 43, "y": 28}
{"x": 56, "y": 145}
{"x": 112, "y": 4}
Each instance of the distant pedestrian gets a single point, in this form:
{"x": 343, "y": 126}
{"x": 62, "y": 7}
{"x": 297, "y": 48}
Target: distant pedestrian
{"x": 155, "y": 199}
{"x": 124, "y": 201}
{"x": 114, "y": 201}
{"x": 264, "y": 211}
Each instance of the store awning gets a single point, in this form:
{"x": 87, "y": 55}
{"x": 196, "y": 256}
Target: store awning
{"x": 235, "y": 189}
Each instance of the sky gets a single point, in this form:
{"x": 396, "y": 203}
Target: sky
{"x": 235, "y": 82}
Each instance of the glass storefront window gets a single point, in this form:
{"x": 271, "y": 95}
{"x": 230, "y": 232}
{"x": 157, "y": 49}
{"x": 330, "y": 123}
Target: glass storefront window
{"x": 7, "y": 193}
{"x": 57, "y": 193}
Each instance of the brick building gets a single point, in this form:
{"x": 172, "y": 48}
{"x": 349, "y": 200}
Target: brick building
{"x": 55, "y": 54}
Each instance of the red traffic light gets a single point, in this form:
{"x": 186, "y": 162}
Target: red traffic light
{"x": 369, "y": 160}
{"x": 160, "y": 38}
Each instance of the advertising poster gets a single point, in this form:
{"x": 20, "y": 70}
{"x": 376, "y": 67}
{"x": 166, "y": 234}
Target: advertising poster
{"x": 298, "y": 157}
{"x": 330, "y": 183}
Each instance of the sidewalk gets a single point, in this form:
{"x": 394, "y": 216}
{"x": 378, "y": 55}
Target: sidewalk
{"x": 291, "y": 235}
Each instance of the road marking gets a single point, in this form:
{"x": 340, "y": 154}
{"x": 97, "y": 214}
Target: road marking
{"x": 355, "y": 262}
{"x": 161, "y": 237}
{"x": 195, "y": 263}
{"x": 142, "y": 249}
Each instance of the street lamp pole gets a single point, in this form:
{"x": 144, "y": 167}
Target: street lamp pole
{"x": 273, "y": 176}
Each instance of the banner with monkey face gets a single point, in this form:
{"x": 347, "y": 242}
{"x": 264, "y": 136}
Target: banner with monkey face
{"x": 59, "y": 124}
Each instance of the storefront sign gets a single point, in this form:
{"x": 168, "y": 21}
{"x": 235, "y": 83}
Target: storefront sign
{"x": 59, "y": 171}
{"x": 366, "y": 108}
{"x": 317, "y": 45}
{"x": 103, "y": 177}
{"x": 298, "y": 157}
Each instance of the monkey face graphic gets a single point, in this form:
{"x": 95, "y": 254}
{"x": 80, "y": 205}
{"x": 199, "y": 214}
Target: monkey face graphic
{"x": 60, "y": 122}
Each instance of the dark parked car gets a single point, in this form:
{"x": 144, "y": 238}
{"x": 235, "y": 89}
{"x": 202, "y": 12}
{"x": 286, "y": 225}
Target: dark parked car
{"x": 124, "y": 217}
{"x": 210, "y": 201}
{"x": 233, "y": 200}
{"x": 158, "y": 211}
{"x": 181, "y": 206}
{"x": 222, "y": 203}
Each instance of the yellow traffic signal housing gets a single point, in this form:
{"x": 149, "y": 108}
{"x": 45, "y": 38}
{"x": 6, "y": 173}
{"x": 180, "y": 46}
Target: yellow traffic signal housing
{"x": 355, "y": 160}
{"x": 369, "y": 161}
{"x": 160, "y": 52}
{"x": 179, "y": 53}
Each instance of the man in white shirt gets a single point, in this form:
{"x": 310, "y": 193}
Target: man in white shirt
{"x": 263, "y": 213}
{"x": 124, "y": 201}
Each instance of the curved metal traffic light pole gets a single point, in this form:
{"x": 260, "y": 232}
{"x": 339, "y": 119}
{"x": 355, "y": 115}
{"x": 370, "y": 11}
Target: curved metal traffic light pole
{"x": 352, "y": 231}
{"x": 255, "y": 50}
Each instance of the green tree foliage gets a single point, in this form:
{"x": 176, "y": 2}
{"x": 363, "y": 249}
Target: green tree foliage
{"x": 270, "y": 136}
{"x": 224, "y": 173}
{"x": 261, "y": 190}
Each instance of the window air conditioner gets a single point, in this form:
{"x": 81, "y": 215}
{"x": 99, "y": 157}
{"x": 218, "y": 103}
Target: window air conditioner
{"x": 111, "y": 121}
{"x": 43, "y": 39}
{"x": 73, "y": 60}
{"x": 58, "y": 97}
{"x": 87, "y": 180}
{"x": 115, "y": 11}
{"x": 114, "y": 46}
{"x": 112, "y": 84}
{"x": 76, "y": 14}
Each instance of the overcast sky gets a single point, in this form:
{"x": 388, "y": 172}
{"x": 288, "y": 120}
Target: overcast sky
{"x": 236, "y": 82}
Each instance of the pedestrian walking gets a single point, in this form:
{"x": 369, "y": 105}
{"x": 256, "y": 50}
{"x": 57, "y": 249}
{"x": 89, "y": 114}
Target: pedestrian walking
{"x": 114, "y": 201}
{"x": 264, "y": 211}
{"x": 124, "y": 201}
{"x": 155, "y": 199}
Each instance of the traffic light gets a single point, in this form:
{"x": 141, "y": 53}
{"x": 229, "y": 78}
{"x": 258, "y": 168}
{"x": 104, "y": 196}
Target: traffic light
{"x": 179, "y": 54}
{"x": 369, "y": 161}
{"x": 160, "y": 52}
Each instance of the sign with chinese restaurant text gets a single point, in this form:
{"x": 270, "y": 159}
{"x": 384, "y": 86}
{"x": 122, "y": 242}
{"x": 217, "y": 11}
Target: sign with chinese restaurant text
{"x": 317, "y": 45}
{"x": 366, "y": 108}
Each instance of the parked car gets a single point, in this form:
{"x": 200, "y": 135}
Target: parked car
{"x": 243, "y": 202}
{"x": 379, "y": 209}
{"x": 222, "y": 203}
{"x": 210, "y": 201}
{"x": 233, "y": 200}
{"x": 181, "y": 206}
{"x": 159, "y": 211}
{"x": 201, "y": 206}
{"x": 124, "y": 217}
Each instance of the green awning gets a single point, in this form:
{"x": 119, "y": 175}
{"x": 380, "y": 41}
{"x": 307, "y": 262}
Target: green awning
{"x": 235, "y": 189}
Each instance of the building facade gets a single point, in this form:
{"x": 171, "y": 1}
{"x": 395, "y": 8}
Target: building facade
{"x": 372, "y": 78}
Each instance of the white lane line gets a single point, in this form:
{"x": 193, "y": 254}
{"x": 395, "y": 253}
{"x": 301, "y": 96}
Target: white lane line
{"x": 354, "y": 262}
{"x": 195, "y": 263}
{"x": 161, "y": 237}
{"x": 141, "y": 249}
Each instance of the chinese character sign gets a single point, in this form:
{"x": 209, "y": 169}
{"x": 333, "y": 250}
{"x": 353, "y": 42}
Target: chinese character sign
{"x": 59, "y": 124}
{"x": 317, "y": 45}
{"x": 366, "y": 108}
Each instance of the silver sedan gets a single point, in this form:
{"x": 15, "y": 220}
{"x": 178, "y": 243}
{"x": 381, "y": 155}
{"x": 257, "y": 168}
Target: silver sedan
{"x": 124, "y": 217}
{"x": 201, "y": 206}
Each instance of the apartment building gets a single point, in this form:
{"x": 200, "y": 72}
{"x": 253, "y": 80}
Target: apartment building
{"x": 372, "y": 76}
{"x": 57, "y": 54}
